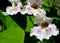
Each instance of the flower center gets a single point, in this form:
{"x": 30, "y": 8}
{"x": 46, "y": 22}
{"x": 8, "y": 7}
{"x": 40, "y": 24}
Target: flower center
{"x": 32, "y": 9}
{"x": 44, "y": 24}
{"x": 35, "y": 6}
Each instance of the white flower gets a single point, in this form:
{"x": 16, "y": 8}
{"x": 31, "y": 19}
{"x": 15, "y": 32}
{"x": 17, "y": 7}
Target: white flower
{"x": 15, "y": 8}
{"x": 12, "y": 10}
{"x": 40, "y": 12}
{"x": 37, "y": 32}
{"x": 44, "y": 33}
{"x": 48, "y": 19}
{"x": 28, "y": 9}
{"x": 53, "y": 29}
{"x": 40, "y": 18}
{"x": 38, "y": 2}
{"x": 33, "y": 9}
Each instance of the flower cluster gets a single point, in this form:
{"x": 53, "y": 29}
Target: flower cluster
{"x": 44, "y": 32}
{"x": 32, "y": 7}
{"x": 15, "y": 8}
{"x": 45, "y": 28}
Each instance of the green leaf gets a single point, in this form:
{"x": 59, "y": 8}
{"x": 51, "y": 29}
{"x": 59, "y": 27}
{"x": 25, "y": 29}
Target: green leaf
{"x": 46, "y": 5}
{"x": 0, "y": 27}
{"x": 30, "y": 23}
{"x": 58, "y": 19}
{"x": 13, "y": 34}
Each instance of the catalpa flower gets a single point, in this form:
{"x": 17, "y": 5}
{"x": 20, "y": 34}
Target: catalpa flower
{"x": 12, "y": 10}
{"x": 32, "y": 7}
{"x": 44, "y": 31}
{"x": 27, "y": 9}
{"x": 40, "y": 18}
{"x": 35, "y": 3}
{"x": 38, "y": 11}
{"x": 30, "y": 10}
{"x": 15, "y": 8}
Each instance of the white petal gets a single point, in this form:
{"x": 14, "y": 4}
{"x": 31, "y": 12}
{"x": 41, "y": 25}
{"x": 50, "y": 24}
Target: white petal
{"x": 37, "y": 32}
{"x": 38, "y": 2}
{"x": 12, "y": 10}
{"x": 40, "y": 12}
{"x": 22, "y": 12}
{"x": 14, "y": 1}
{"x": 4, "y": 13}
{"x": 48, "y": 19}
{"x": 34, "y": 31}
{"x": 53, "y": 29}
{"x": 28, "y": 9}
{"x": 55, "y": 33}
